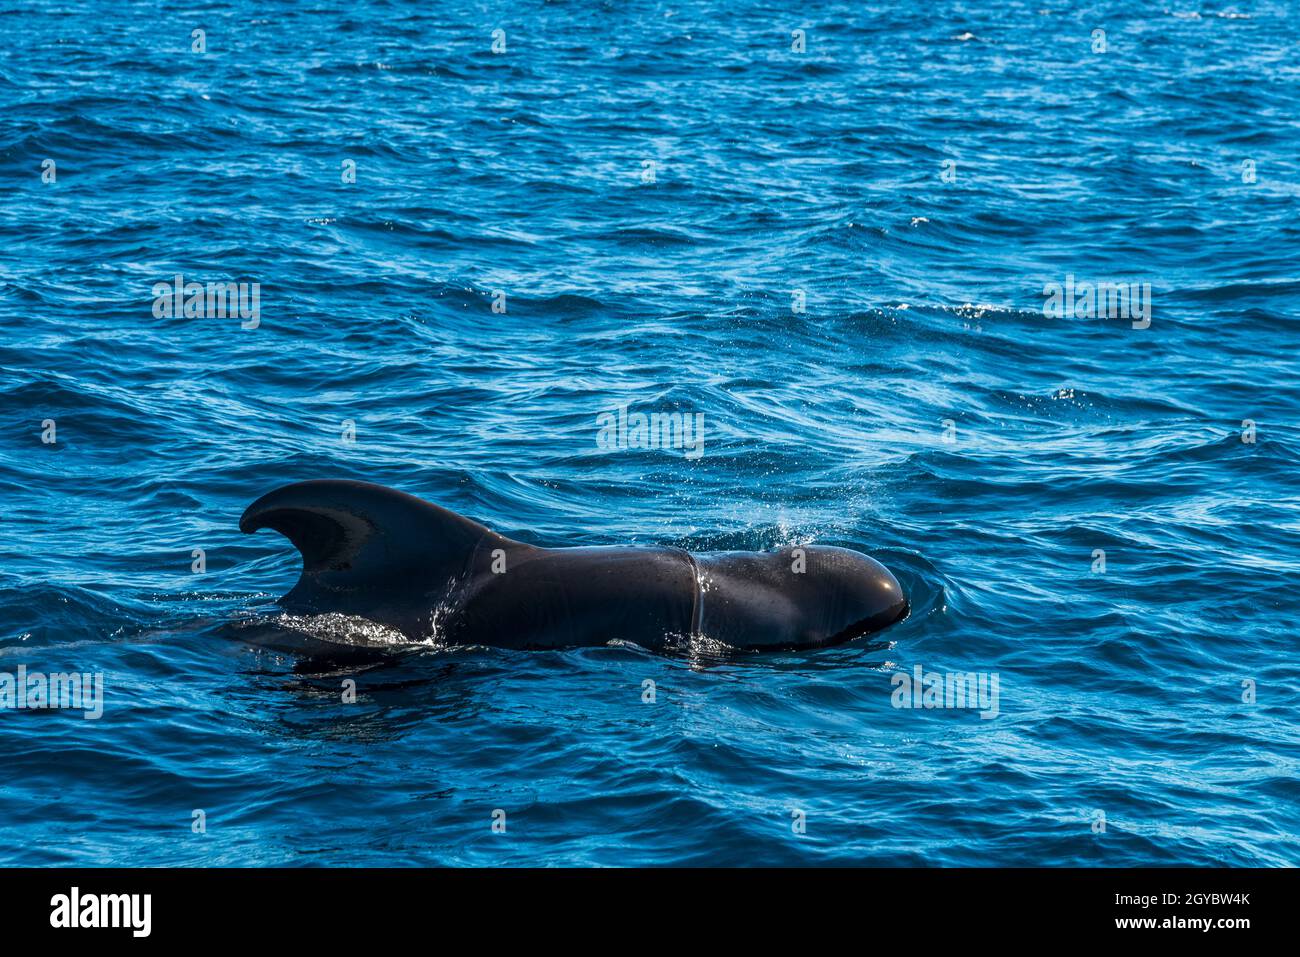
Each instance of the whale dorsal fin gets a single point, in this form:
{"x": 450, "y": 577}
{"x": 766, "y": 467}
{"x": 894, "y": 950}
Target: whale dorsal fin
{"x": 355, "y": 535}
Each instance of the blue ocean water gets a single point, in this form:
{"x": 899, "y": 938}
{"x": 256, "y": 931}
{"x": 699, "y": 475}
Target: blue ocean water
{"x": 834, "y": 245}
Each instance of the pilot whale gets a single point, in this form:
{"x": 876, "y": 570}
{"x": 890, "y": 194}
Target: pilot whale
{"x": 428, "y": 573}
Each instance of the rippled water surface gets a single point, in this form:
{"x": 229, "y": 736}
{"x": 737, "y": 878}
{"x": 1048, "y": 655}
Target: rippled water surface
{"x": 649, "y": 194}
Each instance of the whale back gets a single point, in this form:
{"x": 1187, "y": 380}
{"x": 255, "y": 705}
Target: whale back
{"x": 366, "y": 548}
{"x": 388, "y": 557}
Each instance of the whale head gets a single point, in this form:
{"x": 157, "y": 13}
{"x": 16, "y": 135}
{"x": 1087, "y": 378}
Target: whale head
{"x": 859, "y": 594}
{"x": 800, "y": 597}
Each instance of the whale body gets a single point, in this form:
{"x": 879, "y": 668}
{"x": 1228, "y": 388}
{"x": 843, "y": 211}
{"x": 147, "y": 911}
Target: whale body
{"x": 428, "y": 573}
